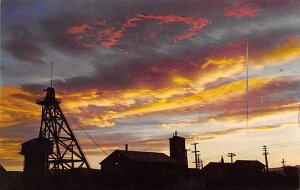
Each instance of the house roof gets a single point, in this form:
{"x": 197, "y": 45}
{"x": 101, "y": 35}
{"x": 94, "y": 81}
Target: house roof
{"x": 2, "y": 169}
{"x": 137, "y": 156}
{"x": 238, "y": 163}
{"x": 214, "y": 165}
{"x": 249, "y": 163}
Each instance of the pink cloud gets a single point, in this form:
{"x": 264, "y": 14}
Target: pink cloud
{"x": 79, "y": 29}
{"x": 86, "y": 35}
{"x": 197, "y": 24}
{"x": 150, "y": 35}
{"x": 239, "y": 10}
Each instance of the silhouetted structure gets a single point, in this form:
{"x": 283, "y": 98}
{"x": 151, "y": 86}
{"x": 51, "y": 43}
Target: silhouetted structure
{"x": 177, "y": 149}
{"x": 67, "y": 153}
{"x": 231, "y": 155}
{"x": 196, "y": 155}
{"x": 10, "y": 180}
{"x": 286, "y": 177}
{"x": 139, "y": 170}
{"x": 265, "y": 153}
{"x": 56, "y": 150}
{"x": 36, "y": 152}
{"x": 241, "y": 173}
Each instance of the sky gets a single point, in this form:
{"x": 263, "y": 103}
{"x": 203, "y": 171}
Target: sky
{"x": 134, "y": 71}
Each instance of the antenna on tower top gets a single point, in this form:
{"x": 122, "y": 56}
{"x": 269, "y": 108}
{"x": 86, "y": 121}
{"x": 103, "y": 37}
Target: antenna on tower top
{"x": 51, "y": 72}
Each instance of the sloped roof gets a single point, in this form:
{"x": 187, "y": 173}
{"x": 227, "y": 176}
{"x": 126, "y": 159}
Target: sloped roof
{"x": 2, "y": 169}
{"x": 152, "y": 157}
{"x": 214, "y": 165}
{"x": 249, "y": 163}
{"x": 238, "y": 163}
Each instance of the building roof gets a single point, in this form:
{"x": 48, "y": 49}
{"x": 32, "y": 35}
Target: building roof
{"x": 215, "y": 165}
{"x": 2, "y": 169}
{"x": 238, "y": 163}
{"x": 249, "y": 163}
{"x": 152, "y": 157}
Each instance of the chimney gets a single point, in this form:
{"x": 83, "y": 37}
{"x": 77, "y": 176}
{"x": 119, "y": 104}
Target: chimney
{"x": 177, "y": 149}
{"x": 126, "y": 147}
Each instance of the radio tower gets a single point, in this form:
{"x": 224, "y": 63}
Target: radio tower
{"x": 67, "y": 153}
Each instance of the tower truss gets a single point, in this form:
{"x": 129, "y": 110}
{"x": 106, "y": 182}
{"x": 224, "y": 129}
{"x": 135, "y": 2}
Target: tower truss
{"x": 67, "y": 153}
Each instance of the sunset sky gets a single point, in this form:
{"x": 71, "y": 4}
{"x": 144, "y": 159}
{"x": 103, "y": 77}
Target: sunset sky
{"x": 134, "y": 71}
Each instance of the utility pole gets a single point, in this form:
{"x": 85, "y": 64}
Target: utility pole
{"x": 201, "y": 164}
{"x": 265, "y": 153}
{"x": 196, "y": 153}
{"x": 198, "y": 161}
{"x": 283, "y": 161}
{"x": 231, "y": 155}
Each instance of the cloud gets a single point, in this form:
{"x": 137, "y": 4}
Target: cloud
{"x": 16, "y": 107}
{"x": 90, "y": 34}
{"x": 24, "y": 46}
{"x": 215, "y": 134}
{"x": 55, "y": 30}
{"x": 240, "y": 10}
{"x": 79, "y": 29}
{"x": 9, "y": 150}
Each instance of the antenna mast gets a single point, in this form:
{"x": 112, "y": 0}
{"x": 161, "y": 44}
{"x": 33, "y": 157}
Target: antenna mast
{"x": 51, "y": 72}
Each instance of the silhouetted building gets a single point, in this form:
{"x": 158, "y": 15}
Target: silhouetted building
{"x": 125, "y": 169}
{"x": 35, "y": 153}
{"x": 240, "y": 173}
{"x": 288, "y": 175}
{"x": 3, "y": 178}
{"x": 250, "y": 167}
{"x": 121, "y": 160}
{"x": 10, "y": 180}
{"x": 177, "y": 149}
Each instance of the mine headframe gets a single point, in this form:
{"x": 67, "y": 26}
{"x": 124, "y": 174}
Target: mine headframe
{"x": 67, "y": 153}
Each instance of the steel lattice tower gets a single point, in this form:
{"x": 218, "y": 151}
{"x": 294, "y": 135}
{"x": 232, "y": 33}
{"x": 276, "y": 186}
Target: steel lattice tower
{"x": 67, "y": 153}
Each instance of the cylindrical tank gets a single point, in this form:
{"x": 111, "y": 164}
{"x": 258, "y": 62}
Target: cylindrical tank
{"x": 36, "y": 153}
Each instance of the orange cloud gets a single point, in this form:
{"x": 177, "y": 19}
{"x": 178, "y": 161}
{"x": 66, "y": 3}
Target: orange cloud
{"x": 15, "y": 107}
{"x": 9, "y": 153}
{"x": 282, "y": 53}
{"x": 221, "y": 93}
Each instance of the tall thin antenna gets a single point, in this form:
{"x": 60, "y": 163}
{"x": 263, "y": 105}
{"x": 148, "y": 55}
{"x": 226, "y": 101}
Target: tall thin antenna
{"x": 247, "y": 75}
{"x": 299, "y": 115}
{"x": 51, "y": 72}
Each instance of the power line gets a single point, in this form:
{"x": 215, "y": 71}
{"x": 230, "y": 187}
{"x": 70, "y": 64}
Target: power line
{"x": 272, "y": 146}
{"x": 95, "y": 142}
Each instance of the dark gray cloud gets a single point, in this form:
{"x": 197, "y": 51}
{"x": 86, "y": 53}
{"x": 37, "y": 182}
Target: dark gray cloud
{"x": 24, "y": 46}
